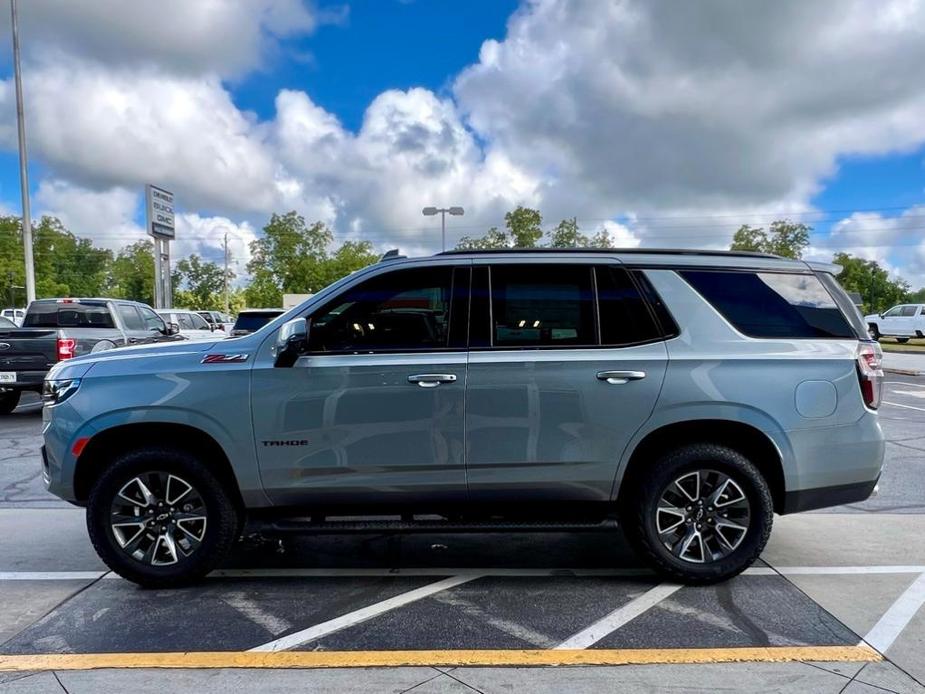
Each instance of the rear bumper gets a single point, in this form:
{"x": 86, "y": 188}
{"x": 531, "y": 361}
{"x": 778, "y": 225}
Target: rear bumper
{"x": 824, "y": 497}
{"x": 26, "y": 380}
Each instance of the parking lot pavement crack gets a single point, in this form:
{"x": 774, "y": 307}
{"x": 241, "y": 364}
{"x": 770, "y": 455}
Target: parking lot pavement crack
{"x": 438, "y": 674}
{"x": 739, "y": 618}
{"x": 465, "y": 684}
{"x": 60, "y": 684}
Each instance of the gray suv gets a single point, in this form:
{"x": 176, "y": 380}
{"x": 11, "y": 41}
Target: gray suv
{"x": 686, "y": 395}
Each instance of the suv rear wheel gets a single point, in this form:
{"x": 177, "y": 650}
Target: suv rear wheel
{"x": 160, "y": 518}
{"x": 701, "y": 514}
{"x": 9, "y": 399}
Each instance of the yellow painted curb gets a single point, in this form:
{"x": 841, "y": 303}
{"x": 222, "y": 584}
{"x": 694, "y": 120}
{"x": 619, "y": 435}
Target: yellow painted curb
{"x": 460, "y": 658}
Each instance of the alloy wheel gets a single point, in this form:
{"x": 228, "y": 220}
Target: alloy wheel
{"x": 702, "y": 516}
{"x": 158, "y": 518}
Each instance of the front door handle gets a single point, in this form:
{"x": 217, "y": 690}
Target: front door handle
{"x": 431, "y": 380}
{"x": 618, "y": 378}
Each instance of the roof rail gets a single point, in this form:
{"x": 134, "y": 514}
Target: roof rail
{"x": 628, "y": 251}
{"x": 391, "y": 255}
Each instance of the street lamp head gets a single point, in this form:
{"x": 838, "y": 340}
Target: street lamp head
{"x": 457, "y": 211}
{"x": 429, "y": 211}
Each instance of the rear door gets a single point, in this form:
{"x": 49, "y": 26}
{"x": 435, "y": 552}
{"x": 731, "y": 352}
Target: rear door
{"x": 566, "y": 364}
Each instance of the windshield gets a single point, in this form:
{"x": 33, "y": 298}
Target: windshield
{"x": 68, "y": 315}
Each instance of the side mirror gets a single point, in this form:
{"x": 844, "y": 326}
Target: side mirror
{"x": 291, "y": 342}
{"x": 171, "y": 329}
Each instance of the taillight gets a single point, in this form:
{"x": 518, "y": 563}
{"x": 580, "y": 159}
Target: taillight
{"x": 66, "y": 347}
{"x": 870, "y": 373}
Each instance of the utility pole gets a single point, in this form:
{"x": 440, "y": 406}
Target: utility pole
{"x": 23, "y": 170}
{"x": 225, "y": 276}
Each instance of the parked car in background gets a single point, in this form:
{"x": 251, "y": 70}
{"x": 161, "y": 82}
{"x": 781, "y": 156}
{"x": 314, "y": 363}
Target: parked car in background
{"x": 218, "y": 319}
{"x": 252, "y": 319}
{"x": 902, "y": 322}
{"x": 58, "y": 329}
{"x": 14, "y": 314}
{"x": 690, "y": 395}
{"x": 191, "y": 325}
{"x": 7, "y": 323}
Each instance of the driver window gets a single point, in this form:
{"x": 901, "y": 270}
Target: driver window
{"x": 895, "y": 311}
{"x": 152, "y": 320}
{"x": 404, "y": 310}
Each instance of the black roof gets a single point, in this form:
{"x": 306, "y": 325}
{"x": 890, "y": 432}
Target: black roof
{"x": 611, "y": 251}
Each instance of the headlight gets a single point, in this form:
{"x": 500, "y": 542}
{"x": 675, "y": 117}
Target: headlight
{"x": 55, "y": 391}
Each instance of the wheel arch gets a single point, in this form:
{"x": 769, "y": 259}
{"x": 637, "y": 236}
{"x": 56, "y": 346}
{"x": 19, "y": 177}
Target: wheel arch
{"x": 745, "y": 438}
{"x": 106, "y": 444}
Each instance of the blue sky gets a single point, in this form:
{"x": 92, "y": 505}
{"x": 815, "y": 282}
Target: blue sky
{"x": 358, "y": 113}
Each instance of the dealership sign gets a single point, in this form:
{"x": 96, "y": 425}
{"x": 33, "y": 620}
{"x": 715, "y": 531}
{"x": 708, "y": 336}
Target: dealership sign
{"x": 160, "y": 212}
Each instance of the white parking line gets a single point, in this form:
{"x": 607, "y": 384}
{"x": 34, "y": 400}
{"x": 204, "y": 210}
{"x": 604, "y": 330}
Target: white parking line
{"x": 908, "y": 407}
{"x": 616, "y": 619}
{"x": 895, "y": 619}
{"x": 351, "y": 618}
{"x": 50, "y": 575}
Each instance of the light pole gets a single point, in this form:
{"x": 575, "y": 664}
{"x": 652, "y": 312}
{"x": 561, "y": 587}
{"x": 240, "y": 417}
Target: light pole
{"x": 225, "y": 276}
{"x": 23, "y": 172}
{"x": 431, "y": 211}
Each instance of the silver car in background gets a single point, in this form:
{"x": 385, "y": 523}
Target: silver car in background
{"x": 685, "y": 395}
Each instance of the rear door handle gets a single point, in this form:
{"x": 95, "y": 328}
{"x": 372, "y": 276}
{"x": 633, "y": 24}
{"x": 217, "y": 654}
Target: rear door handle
{"x": 617, "y": 378}
{"x": 431, "y": 380}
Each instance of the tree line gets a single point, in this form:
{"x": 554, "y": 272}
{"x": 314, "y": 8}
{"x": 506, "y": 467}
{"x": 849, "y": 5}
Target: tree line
{"x": 293, "y": 256}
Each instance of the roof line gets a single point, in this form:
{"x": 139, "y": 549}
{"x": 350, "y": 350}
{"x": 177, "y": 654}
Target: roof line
{"x": 611, "y": 251}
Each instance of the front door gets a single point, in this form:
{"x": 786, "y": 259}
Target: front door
{"x": 373, "y": 414}
{"x": 570, "y": 368}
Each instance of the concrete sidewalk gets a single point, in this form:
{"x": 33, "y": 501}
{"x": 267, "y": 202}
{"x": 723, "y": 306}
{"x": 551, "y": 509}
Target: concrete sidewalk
{"x": 902, "y": 363}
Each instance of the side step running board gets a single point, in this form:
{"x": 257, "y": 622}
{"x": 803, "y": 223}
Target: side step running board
{"x": 335, "y": 527}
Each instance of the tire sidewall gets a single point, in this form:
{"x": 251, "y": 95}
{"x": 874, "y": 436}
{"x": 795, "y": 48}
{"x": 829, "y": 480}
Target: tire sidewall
{"x": 743, "y": 473}
{"x": 220, "y": 514}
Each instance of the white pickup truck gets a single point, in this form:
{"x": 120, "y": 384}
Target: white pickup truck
{"x": 902, "y": 322}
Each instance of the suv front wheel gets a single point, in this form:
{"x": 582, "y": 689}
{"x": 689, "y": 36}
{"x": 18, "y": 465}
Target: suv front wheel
{"x": 160, "y": 518}
{"x": 701, "y": 514}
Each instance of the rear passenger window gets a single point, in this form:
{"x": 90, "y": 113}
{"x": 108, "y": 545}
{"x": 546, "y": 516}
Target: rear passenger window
{"x": 769, "y": 304}
{"x": 624, "y": 317}
{"x": 908, "y": 311}
{"x": 542, "y": 305}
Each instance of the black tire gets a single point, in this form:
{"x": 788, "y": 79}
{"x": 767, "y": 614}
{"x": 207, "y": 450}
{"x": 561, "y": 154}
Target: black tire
{"x": 640, "y": 513}
{"x": 874, "y": 331}
{"x": 902, "y": 340}
{"x": 220, "y": 528}
{"x": 9, "y": 400}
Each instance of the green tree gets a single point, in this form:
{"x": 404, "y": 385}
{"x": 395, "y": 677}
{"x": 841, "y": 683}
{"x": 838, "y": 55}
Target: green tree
{"x": 785, "y": 238}
{"x": 292, "y": 257}
{"x": 198, "y": 284}
{"x": 495, "y": 238}
{"x": 567, "y": 235}
{"x": 133, "y": 272}
{"x": 917, "y": 297}
{"x": 871, "y": 281}
{"x": 525, "y": 226}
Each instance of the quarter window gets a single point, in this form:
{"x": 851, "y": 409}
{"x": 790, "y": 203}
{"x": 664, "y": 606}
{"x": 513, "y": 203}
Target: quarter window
{"x": 542, "y": 305}
{"x": 624, "y": 317}
{"x": 404, "y": 310}
{"x": 768, "y": 304}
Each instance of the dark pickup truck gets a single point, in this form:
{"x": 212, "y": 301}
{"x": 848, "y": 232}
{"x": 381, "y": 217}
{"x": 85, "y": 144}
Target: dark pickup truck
{"x": 56, "y": 329}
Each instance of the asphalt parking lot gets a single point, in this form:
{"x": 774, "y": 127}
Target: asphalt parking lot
{"x": 834, "y": 605}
